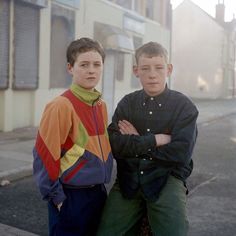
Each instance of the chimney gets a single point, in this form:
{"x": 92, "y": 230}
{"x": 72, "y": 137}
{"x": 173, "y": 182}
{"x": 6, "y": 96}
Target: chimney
{"x": 220, "y": 11}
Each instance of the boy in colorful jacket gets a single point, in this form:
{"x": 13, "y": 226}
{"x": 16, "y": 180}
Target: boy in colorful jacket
{"x": 72, "y": 154}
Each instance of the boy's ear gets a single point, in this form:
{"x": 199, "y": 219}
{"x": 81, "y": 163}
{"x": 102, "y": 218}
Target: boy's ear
{"x": 135, "y": 70}
{"x": 69, "y": 68}
{"x": 169, "y": 69}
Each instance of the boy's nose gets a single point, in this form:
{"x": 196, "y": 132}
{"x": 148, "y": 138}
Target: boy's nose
{"x": 91, "y": 70}
{"x": 152, "y": 74}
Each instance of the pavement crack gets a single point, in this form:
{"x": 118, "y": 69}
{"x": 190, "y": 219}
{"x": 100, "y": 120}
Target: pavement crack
{"x": 191, "y": 192}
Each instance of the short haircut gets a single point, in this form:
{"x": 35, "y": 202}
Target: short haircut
{"x": 83, "y": 45}
{"x": 151, "y": 49}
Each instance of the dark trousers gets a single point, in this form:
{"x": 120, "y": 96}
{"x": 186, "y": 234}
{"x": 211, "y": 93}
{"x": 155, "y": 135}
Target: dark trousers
{"x": 80, "y": 213}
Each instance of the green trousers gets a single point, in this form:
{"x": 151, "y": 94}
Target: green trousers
{"x": 166, "y": 216}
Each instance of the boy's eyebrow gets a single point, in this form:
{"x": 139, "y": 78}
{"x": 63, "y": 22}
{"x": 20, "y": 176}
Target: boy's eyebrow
{"x": 89, "y": 61}
{"x": 144, "y": 65}
{"x": 150, "y": 65}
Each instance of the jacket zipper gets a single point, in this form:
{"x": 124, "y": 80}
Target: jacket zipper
{"x": 99, "y": 141}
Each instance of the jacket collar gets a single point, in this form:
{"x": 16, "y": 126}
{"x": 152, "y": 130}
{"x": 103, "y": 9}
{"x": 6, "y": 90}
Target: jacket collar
{"x": 87, "y": 96}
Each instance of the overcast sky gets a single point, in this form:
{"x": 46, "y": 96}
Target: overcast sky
{"x": 209, "y": 7}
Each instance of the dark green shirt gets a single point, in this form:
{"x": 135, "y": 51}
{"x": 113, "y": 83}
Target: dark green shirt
{"x": 140, "y": 164}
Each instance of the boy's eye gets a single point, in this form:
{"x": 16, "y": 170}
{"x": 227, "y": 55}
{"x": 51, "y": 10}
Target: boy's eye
{"x": 159, "y": 67}
{"x": 84, "y": 65}
{"x": 97, "y": 64}
{"x": 145, "y": 68}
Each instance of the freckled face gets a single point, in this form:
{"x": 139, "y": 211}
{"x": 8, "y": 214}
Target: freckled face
{"x": 87, "y": 69}
{"x": 152, "y": 72}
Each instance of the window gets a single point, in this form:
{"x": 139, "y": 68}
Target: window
{"x": 124, "y": 3}
{"x": 149, "y": 9}
{"x": 71, "y": 3}
{"x": 4, "y": 43}
{"x": 134, "y": 5}
{"x": 62, "y": 33}
{"x": 26, "y": 41}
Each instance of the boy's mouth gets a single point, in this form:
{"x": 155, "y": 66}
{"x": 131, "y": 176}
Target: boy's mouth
{"x": 154, "y": 83}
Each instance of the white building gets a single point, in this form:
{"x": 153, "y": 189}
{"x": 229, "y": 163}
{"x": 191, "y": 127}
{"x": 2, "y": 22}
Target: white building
{"x": 203, "y": 52}
{"x": 34, "y": 35}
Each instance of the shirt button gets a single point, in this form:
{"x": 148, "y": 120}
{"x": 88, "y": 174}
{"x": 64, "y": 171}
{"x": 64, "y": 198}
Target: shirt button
{"x": 148, "y": 130}
{"x": 136, "y": 155}
{"x": 150, "y": 159}
{"x": 150, "y": 112}
{"x": 152, "y": 98}
{"x": 149, "y": 150}
{"x": 144, "y": 159}
{"x": 144, "y": 104}
{"x": 159, "y": 104}
{"x": 141, "y": 172}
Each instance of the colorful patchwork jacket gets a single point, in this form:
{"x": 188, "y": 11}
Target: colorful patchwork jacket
{"x": 72, "y": 145}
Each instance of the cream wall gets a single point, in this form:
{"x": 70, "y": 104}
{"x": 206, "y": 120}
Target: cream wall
{"x": 124, "y": 87}
{"x": 155, "y": 31}
{"x": 197, "y": 48}
{"x": 42, "y": 94}
{"x": 100, "y": 11}
{"x": 2, "y": 110}
{"x": 7, "y": 113}
{"x": 16, "y": 108}
{"x": 21, "y": 109}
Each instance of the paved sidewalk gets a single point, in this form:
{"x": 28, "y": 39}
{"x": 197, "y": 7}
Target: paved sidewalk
{"x": 16, "y": 147}
{"x": 210, "y": 110}
{"x": 6, "y": 230}
{"x": 16, "y": 153}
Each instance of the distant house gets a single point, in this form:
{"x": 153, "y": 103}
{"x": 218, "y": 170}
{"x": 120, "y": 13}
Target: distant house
{"x": 203, "y": 52}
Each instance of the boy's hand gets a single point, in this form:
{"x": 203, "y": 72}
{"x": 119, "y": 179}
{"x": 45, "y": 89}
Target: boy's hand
{"x": 59, "y": 206}
{"x": 162, "y": 139}
{"x": 127, "y": 128}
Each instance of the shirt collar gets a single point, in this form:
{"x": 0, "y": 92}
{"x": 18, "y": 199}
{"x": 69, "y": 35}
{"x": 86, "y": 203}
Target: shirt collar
{"x": 161, "y": 98}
